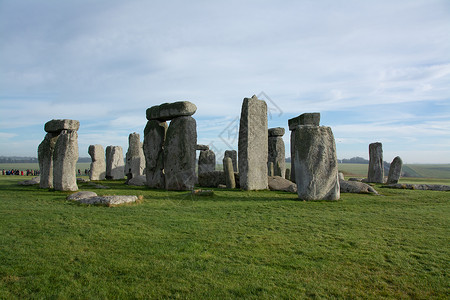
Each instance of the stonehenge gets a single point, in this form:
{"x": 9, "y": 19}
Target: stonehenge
{"x": 98, "y": 164}
{"x": 154, "y": 138}
{"x": 134, "y": 159}
{"x": 233, "y": 155}
{"x": 376, "y": 168}
{"x": 253, "y": 144}
{"x": 276, "y": 151}
{"x": 395, "y": 170}
{"x": 229, "y": 172}
{"x": 115, "y": 165}
{"x": 58, "y": 155}
{"x": 206, "y": 161}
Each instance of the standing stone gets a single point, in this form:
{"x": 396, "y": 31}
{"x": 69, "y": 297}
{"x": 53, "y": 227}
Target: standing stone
{"x": 206, "y": 161}
{"x": 270, "y": 168}
{"x": 65, "y": 157}
{"x": 276, "y": 153}
{"x": 98, "y": 164}
{"x": 253, "y": 143}
{"x": 315, "y": 161}
{"x": 229, "y": 172}
{"x": 233, "y": 155}
{"x": 135, "y": 160}
{"x": 395, "y": 170}
{"x": 154, "y": 137}
{"x": 288, "y": 174}
{"x": 114, "y": 164}
{"x": 179, "y": 154}
{"x": 376, "y": 168}
{"x": 45, "y": 158}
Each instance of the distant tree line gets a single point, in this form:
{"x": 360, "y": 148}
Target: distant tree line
{"x": 24, "y": 159}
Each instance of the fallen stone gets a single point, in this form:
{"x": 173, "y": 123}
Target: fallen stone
{"x": 304, "y": 119}
{"x": 33, "y": 181}
{"x": 356, "y": 187}
{"x": 203, "y": 193}
{"x": 55, "y": 126}
{"x": 83, "y": 180}
{"x": 277, "y": 183}
{"x": 355, "y": 179}
{"x": 169, "y": 111}
{"x": 395, "y": 170}
{"x": 138, "y": 180}
{"x": 108, "y": 200}
{"x": 201, "y": 147}
{"x": 98, "y": 186}
{"x": 277, "y": 131}
{"x": 424, "y": 187}
{"x": 81, "y": 195}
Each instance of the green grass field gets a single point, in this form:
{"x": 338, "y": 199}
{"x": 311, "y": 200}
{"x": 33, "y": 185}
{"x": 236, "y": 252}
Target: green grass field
{"x": 235, "y": 244}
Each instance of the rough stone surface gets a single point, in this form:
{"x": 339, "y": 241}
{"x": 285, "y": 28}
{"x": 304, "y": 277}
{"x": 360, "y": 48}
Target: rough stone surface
{"x": 154, "y": 137}
{"x": 277, "y": 155}
{"x": 395, "y": 170}
{"x": 179, "y": 154}
{"x": 108, "y": 200}
{"x": 65, "y": 157}
{"x": 56, "y": 126}
{"x": 270, "y": 168}
{"x": 304, "y": 119}
{"x": 81, "y": 195}
{"x": 45, "y": 158}
{"x": 134, "y": 159}
{"x": 228, "y": 170}
{"x": 206, "y": 161}
{"x": 356, "y": 187}
{"x": 98, "y": 164}
{"x": 341, "y": 176}
{"x": 277, "y": 183}
{"x": 233, "y": 155}
{"x": 170, "y": 111}
{"x": 211, "y": 179}
{"x": 376, "y": 168}
{"x": 425, "y": 187}
{"x": 292, "y": 156}
{"x": 288, "y": 174}
{"x": 114, "y": 163}
{"x": 253, "y": 144}
{"x": 202, "y": 147}
{"x": 315, "y": 161}
{"x": 277, "y": 131}
{"x": 33, "y": 181}
{"x": 138, "y": 180}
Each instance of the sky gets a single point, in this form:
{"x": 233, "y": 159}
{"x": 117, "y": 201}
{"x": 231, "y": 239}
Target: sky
{"x": 377, "y": 71}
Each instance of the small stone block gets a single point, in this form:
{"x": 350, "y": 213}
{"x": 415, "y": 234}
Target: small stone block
{"x": 304, "y": 119}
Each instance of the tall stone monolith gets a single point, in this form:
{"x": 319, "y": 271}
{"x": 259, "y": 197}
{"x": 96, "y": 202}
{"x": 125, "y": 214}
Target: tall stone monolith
{"x": 98, "y": 164}
{"x": 154, "y": 137}
{"x": 115, "y": 164}
{"x": 253, "y": 143}
{"x": 45, "y": 158}
{"x": 206, "y": 161}
{"x": 65, "y": 157}
{"x": 376, "y": 168}
{"x": 315, "y": 162}
{"x": 233, "y": 155}
{"x": 276, "y": 153}
{"x": 179, "y": 154}
{"x": 229, "y": 172}
{"x": 395, "y": 170}
{"x": 134, "y": 159}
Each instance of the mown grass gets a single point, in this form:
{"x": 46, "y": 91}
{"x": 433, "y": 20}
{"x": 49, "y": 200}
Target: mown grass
{"x": 235, "y": 244}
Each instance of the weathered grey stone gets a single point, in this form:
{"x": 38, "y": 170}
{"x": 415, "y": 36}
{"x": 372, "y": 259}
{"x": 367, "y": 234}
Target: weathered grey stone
{"x": 276, "y": 154}
{"x": 114, "y": 163}
{"x": 179, "y": 154}
{"x": 376, "y": 168}
{"x": 202, "y": 147}
{"x": 315, "y": 161}
{"x": 277, "y": 131}
{"x": 277, "y": 183}
{"x": 228, "y": 170}
{"x": 288, "y": 174}
{"x": 292, "y": 156}
{"x": 425, "y": 187}
{"x": 65, "y": 157}
{"x": 356, "y": 187}
{"x": 98, "y": 164}
{"x": 81, "y": 195}
{"x": 45, "y": 158}
{"x": 169, "y": 111}
{"x": 233, "y": 155}
{"x": 134, "y": 159}
{"x": 108, "y": 200}
{"x": 270, "y": 168}
{"x": 211, "y": 179}
{"x": 304, "y": 119}
{"x": 56, "y": 126}
{"x": 154, "y": 137}
{"x": 206, "y": 161}
{"x": 33, "y": 181}
{"x": 138, "y": 180}
{"x": 395, "y": 170}
{"x": 341, "y": 176}
{"x": 253, "y": 143}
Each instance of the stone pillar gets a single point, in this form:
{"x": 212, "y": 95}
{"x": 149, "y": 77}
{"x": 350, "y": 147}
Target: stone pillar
{"x": 376, "y": 168}
{"x": 270, "y": 169}
{"x": 288, "y": 174}
{"x": 179, "y": 154}
{"x": 65, "y": 157}
{"x": 98, "y": 164}
{"x": 395, "y": 170}
{"x": 229, "y": 172}
{"x": 154, "y": 137}
{"x": 115, "y": 165}
{"x": 206, "y": 162}
{"x": 45, "y": 158}
{"x": 303, "y": 119}
{"x": 276, "y": 153}
{"x": 233, "y": 155}
{"x": 253, "y": 143}
{"x": 315, "y": 162}
{"x": 135, "y": 160}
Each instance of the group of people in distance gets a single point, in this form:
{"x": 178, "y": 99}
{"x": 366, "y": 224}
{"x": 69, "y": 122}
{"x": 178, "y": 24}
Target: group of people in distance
{"x": 28, "y": 172}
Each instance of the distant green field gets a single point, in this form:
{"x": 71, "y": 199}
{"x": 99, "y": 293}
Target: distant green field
{"x": 35, "y": 166}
